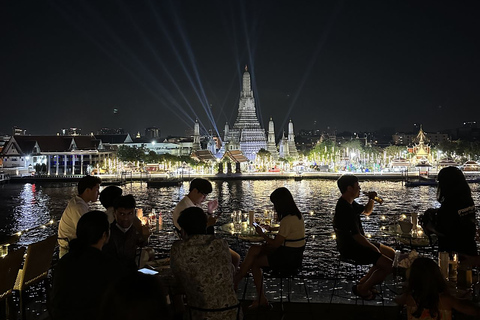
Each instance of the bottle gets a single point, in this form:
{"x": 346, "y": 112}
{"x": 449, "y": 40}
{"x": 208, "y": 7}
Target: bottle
{"x": 376, "y": 199}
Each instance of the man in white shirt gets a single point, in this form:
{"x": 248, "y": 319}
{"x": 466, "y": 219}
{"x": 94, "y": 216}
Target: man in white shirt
{"x": 199, "y": 189}
{"x": 88, "y": 189}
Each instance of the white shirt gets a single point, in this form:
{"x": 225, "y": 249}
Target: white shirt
{"x": 185, "y": 203}
{"x": 292, "y": 228}
{"x": 67, "y": 227}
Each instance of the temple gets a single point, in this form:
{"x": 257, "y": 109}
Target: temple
{"x": 247, "y": 135}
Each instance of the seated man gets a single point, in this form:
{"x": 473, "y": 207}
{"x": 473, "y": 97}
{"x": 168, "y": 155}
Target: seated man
{"x": 88, "y": 188}
{"x": 199, "y": 189}
{"x": 202, "y": 264}
{"x": 351, "y": 240}
{"x": 84, "y": 273}
{"x": 126, "y": 232}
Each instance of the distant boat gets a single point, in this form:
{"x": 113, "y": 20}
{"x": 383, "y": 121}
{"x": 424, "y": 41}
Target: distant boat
{"x": 420, "y": 182}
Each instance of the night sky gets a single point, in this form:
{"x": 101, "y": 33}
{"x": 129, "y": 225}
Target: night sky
{"x": 347, "y": 65}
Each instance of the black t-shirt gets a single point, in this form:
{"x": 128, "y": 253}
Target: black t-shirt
{"x": 346, "y": 223}
{"x": 457, "y": 224}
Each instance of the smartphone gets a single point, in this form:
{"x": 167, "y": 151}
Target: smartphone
{"x": 257, "y": 225}
{"x": 147, "y": 271}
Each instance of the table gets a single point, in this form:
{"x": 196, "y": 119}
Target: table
{"x": 244, "y": 232}
{"x": 414, "y": 238}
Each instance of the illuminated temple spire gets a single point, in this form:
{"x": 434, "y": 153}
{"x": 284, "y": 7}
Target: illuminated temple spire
{"x": 246, "y": 134}
{"x": 271, "y": 146}
{"x": 196, "y": 137}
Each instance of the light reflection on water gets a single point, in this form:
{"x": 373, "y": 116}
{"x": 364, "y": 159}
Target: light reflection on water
{"x": 29, "y": 205}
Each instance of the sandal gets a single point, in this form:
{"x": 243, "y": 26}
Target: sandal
{"x": 371, "y": 296}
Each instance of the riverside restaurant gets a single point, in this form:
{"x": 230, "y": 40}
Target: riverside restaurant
{"x": 323, "y": 285}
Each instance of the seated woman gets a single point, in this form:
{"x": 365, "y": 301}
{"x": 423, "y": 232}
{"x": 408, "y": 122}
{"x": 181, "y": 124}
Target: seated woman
{"x": 427, "y": 297}
{"x": 284, "y": 252}
{"x": 454, "y": 222}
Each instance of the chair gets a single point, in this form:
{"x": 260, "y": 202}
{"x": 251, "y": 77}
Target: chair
{"x": 357, "y": 267}
{"x": 343, "y": 260}
{"x": 36, "y": 267}
{"x": 290, "y": 274}
{"x": 9, "y": 266}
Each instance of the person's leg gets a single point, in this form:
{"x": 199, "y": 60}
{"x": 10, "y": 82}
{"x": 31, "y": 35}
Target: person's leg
{"x": 247, "y": 263}
{"x": 261, "y": 261}
{"x": 235, "y": 259}
{"x": 368, "y": 275}
{"x": 387, "y": 251}
{"x": 383, "y": 268}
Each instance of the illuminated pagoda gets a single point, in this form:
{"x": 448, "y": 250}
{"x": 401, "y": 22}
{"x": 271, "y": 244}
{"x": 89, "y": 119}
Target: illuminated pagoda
{"x": 196, "y": 137}
{"x": 247, "y": 135}
{"x": 421, "y": 150}
{"x": 271, "y": 146}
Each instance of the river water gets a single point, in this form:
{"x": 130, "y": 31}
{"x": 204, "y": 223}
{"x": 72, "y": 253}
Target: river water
{"x": 26, "y": 206}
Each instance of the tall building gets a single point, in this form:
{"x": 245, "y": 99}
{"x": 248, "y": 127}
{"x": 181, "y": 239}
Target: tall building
{"x": 271, "y": 146}
{"x": 247, "y": 135}
{"x": 196, "y": 137}
{"x": 16, "y": 131}
{"x": 152, "y": 132}
{"x": 292, "y": 149}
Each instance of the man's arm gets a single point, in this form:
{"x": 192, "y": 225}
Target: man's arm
{"x": 368, "y": 207}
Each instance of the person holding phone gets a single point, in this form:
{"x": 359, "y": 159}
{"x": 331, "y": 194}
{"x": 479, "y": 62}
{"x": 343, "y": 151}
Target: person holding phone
{"x": 284, "y": 252}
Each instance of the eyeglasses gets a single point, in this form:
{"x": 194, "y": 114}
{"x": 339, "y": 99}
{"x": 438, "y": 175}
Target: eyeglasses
{"x": 123, "y": 214}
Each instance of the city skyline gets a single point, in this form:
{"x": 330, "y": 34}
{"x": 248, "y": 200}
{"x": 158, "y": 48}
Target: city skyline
{"x": 344, "y": 65}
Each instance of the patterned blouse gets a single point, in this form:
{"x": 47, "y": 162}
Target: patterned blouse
{"x": 203, "y": 266}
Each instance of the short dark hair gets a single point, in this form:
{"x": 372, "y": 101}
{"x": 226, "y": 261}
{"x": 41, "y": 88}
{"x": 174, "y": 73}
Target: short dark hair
{"x": 127, "y": 202}
{"x": 108, "y": 196}
{"x": 91, "y": 227}
{"x": 345, "y": 181}
{"x": 87, "y": 182}
{"x": 202, "y": 185}
{"x": 193, "y": 221}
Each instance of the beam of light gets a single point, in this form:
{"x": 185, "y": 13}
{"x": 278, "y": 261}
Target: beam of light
{"x": 204, "y": 102}
{"x": 148, "y": 44}
{"x": 109, "y": 49}
{"x": 250, "y": 52}
{"x": 313, "y": 59}
{"x": 198, "y": 90}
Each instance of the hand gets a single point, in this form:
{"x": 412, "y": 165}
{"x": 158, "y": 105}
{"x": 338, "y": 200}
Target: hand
{"x": 259, "y": 230}
{"x": 211, "y": 220}
{"x": 371, "y": 194}
{"x": 266, "y": 227}
{"x": 212, "y": 206}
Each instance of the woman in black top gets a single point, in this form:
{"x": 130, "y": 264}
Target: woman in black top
{"x": 455, "y": 219}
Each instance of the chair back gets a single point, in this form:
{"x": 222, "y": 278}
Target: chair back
{"x": 37, "y": 263}
{"x": 9, "y": 266}
{"x": 238, "y": 306}
{"x": 294, "y": 267}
